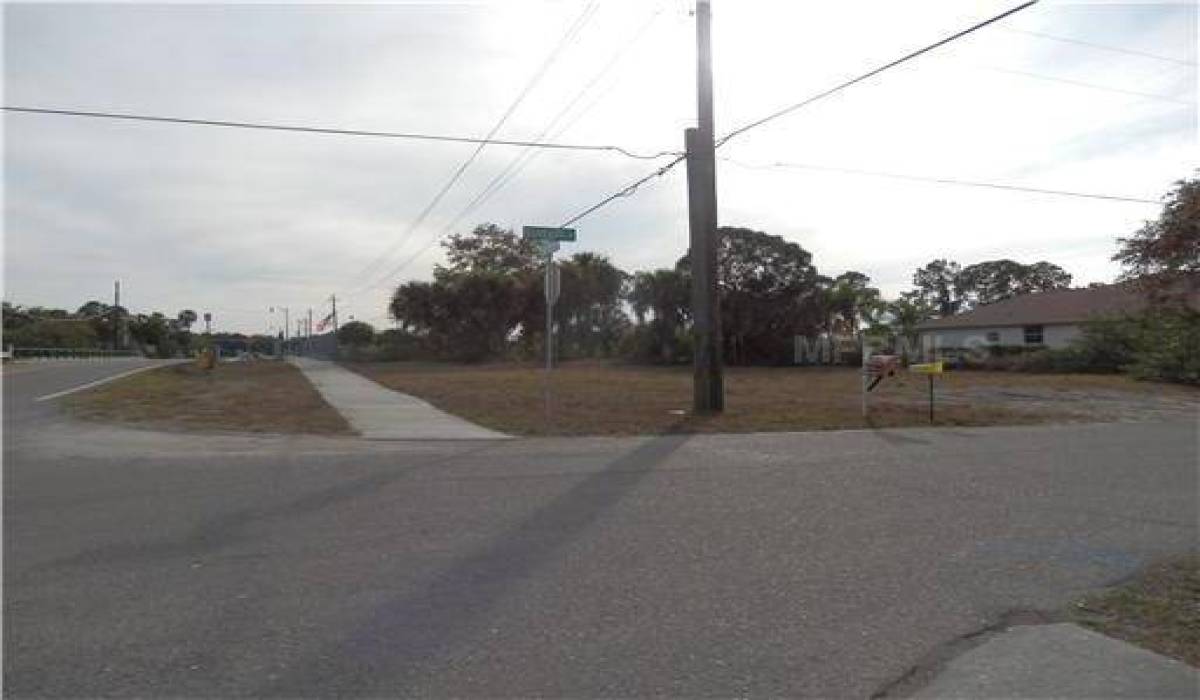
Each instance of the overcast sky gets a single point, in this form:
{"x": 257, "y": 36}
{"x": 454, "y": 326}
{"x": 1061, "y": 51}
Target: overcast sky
{"x": 233, "y": 221}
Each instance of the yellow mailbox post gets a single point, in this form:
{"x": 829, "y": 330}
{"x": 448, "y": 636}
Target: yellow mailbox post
{"x": 930, "y": 369}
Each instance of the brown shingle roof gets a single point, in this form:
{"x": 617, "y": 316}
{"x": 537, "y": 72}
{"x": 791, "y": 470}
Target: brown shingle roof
{"x": 1056, "y": 306}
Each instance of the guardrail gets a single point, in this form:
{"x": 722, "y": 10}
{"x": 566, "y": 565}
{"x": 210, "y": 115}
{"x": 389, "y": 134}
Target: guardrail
{"x": 65, "y": 354}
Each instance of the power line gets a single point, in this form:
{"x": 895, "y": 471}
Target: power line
{"x": 940, "y": 180}
{"x": 1093, "y": 86}
{"x": 515, "y": 166}
{"x": 633, "y": 187}
{"x": 1102, "y": 47}
{"x": 571, "y": 32}
{"x": 487, "y": 141}
{"x": 519, "y": 163}
{"x": 624, "y": 192}
{"x": 891, "y": 64}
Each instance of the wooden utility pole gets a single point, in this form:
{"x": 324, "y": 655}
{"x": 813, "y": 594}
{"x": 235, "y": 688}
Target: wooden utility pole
{"x": 708, "y": 383}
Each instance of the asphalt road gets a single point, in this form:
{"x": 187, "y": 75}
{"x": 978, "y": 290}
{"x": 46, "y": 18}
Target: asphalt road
{"x": 25, "y": 382}
{"x": 139, "y": 563}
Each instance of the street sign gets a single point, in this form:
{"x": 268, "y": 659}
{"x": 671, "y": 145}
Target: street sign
{"x": 546, "y": 247}
{"x": 546, "y": 233}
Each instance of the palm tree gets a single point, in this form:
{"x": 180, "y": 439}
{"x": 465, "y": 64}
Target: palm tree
{"x": 186, "y": 318}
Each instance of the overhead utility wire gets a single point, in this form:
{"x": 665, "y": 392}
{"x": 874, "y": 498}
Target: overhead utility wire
{"x": 1102, "y": 47}
{"x": 625, "y": 192}
{"x": 571, "y": 32}
{"x": 487, "y": 141}
{"x": 518, "y": 164}
{"x": 940, "y": 180}
{"x": 891, "y": 64}
{"x": 1092, "y": 86}
{"x": 633, "y": 187}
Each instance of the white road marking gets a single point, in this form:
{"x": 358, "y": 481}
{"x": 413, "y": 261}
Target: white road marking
{"x": 98, "y": 382}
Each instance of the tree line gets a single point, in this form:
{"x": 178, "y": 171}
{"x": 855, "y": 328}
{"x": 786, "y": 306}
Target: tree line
{"x": 487, "y": 300}
{"x": 96, "y": 325}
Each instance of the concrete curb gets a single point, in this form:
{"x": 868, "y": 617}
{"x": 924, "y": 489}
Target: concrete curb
{"x": 1061, "y": 660}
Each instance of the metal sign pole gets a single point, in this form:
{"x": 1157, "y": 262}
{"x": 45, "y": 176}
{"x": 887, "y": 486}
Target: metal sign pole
{"x": 547, "y": 239}
{"x": 549, "y": 332}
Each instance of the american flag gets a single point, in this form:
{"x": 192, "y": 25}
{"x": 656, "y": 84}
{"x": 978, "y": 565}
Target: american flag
{"x": 324, "y": 323}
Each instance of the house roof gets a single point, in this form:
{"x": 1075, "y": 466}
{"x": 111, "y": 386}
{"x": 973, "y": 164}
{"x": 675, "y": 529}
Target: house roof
{"x": 1060, "y": 306}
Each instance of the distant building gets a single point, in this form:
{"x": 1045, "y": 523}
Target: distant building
{"x": 1051, "y": 319}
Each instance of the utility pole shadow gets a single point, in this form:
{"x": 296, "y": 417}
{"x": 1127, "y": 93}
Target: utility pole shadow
{"x": 401, "y": 637}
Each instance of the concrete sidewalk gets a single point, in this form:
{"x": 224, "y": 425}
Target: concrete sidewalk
{"x": 1062, "y": 661}
{"x": 379, "y": 413}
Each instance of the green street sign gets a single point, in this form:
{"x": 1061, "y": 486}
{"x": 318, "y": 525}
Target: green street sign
{"x": 546, "y": 233}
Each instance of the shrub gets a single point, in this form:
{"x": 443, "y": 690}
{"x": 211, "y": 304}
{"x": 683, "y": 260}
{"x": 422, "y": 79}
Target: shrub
{"x": 401, "y": 346}
{"x": 656, "y": 343}
{"x": 1163, "y": 345}
{"x": 1108, "y": 344}
{"x": 1168, "y": 347}
{"x": 54, "y": 333}
{"x": 356, "y": 334}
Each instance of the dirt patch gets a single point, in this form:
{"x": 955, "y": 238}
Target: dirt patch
{"x": 599, "y": 398}
{"x": 1158, "y": 609}
{"x": 254, "y": 396}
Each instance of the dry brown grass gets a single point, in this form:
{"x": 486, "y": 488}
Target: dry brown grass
{"x": 256, "y": 397}
{"x": 1158, "y": 609}
{"x": 598, "y": 398}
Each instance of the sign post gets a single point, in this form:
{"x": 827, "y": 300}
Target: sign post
{"x": 548, "y": 239}
{"x": 930, "y": 369}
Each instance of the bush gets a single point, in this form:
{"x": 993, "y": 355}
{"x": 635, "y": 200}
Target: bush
{"x": 1168, "y": 347}
{"x": 1109, "y": 344}
{"x": 401, "y": 346}
{"x": 656, "y": 343}
{"x": 356, "y": 334}
{"x": 1045, "y": 360}
{"x": 1162, "y": 345}
{"x": 54, "y": 333}
{"x": 1000, "y": 358}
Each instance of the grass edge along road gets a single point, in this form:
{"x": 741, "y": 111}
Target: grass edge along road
{"x": 253, "y": 397}
{"x": 1159, "y": 609}
{"x": 606, "y": 398}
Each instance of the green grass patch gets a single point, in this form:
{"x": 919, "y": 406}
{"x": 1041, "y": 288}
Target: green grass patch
{"x": 1158, "y": 609}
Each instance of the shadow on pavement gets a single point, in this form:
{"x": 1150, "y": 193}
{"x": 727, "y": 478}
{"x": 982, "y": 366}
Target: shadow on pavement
{"x": 418, "y": 628}
{"x": 230, "y": 528}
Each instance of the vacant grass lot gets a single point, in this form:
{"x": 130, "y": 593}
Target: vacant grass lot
{"x": 257, "y": 397}
{"x": 598, "y": 398}
{"x": 1158, "y": 609}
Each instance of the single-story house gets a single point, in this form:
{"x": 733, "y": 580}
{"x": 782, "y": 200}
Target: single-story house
{"x": 1051, "y": 319}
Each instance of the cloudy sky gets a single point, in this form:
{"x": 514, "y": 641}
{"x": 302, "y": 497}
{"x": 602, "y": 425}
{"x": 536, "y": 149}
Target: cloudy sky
{"x": 237, "y": 221}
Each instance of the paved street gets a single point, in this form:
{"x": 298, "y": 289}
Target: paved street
{"x": 27, "y": 381}
{"x": 152, "y": 564}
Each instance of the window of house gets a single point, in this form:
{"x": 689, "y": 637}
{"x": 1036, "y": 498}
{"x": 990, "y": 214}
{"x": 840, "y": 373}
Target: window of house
{"x": 993, "y": 336}
{"x": 1033, "y": 335}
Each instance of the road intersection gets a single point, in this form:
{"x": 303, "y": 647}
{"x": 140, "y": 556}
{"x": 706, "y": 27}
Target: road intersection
{"x": 828, "y": 564}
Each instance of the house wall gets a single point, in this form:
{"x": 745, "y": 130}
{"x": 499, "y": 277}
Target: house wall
{"x": 1053, "y": 336}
